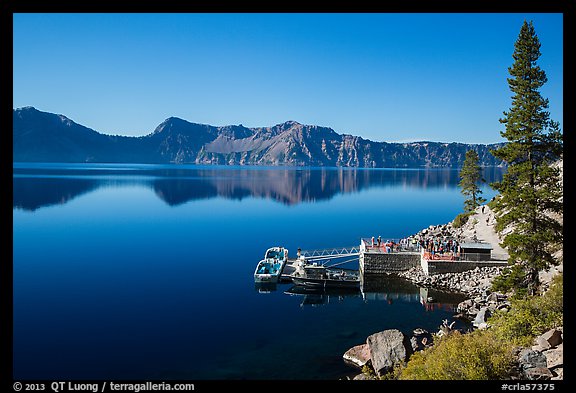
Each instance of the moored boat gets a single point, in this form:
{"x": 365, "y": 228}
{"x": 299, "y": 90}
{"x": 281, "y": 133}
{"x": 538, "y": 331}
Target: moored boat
{"x": 318, "y": 276}
{"x": 270, "y": 268}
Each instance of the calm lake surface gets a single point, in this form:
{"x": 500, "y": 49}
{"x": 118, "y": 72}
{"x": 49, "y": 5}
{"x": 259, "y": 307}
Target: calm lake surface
{"x": 146, "y": 271}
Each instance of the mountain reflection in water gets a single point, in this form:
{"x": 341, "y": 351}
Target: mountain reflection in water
{"x": 40, "y": 185}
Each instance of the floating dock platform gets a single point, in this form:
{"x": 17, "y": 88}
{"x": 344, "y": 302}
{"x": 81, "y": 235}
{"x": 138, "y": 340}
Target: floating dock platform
{"x": 392, "y": 257}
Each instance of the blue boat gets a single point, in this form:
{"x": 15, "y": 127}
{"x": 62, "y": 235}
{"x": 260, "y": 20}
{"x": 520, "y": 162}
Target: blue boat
{"x": 270, "y": 268}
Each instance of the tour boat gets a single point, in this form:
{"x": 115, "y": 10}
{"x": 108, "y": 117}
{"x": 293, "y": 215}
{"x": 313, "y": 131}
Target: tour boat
{"x": 319, "y": 276}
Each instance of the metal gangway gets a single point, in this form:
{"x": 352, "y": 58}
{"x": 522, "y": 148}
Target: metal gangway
{"x": 329, "y": 254}
{"x": 322, "y": 257}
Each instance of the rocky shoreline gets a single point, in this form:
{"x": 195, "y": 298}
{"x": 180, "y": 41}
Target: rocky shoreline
{"x": 382, "y": 350}
{"x": 473, "y": 283}
{"x": 476, "y": 282}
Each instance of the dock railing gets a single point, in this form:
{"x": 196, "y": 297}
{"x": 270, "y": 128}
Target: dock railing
{"x": 330, "y": 253}
{"x": 388, "y": 245}
{"x": 464, "y": 256}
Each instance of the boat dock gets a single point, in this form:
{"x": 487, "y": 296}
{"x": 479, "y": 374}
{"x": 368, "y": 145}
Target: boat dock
{"x": 397, "y": 256}
{"x": 393, "y": 256}
{"x": 320, "y": 257}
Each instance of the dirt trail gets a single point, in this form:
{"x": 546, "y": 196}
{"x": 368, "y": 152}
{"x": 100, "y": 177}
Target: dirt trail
{"x": 480, "y": 227}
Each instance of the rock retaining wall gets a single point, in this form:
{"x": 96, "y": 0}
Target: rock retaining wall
{"x": 383, "y": 263}
{"x": 439, "y": 267}
{"x": 374, "y": 263}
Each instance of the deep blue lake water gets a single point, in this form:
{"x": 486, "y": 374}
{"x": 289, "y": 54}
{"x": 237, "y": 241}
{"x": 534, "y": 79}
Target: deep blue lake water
{"x": 146, "y": 271}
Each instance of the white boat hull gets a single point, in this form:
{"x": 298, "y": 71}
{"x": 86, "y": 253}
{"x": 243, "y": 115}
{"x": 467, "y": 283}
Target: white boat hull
{"x": 266, "y": 278}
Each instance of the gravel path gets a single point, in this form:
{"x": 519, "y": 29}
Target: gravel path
{"x": 485, "y": 229}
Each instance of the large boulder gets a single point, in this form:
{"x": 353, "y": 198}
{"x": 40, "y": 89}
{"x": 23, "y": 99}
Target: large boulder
{"x": 358, "y": 355}
{"x": 495, "y": 297}
{"x": 388, "y": 348}
{"x": 550, "y": 339}
{"x": 554, "y": 356}
{"x": 528, "y": 358}
{"x": 420, "y": 340}
{"x": 538, "y": 373}
{"x": 481, "y": 317}
{"x": 465, "y": 305}
{"x": 533, "y": 365}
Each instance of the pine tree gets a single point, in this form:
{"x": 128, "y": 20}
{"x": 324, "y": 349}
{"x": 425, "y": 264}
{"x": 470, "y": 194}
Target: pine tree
{"x": 470, "y": 177}
{"x": 530, "y": 190}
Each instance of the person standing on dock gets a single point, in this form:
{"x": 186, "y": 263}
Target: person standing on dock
{"x": 379, "y": 241}
{"x": 372, "y": 241}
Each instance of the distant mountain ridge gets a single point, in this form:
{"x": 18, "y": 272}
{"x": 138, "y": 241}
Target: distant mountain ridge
{"x": 47, "y": 137}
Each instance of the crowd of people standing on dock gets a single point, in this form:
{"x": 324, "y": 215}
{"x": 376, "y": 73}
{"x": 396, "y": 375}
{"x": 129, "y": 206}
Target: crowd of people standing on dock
{"x": 388, "y": 246}
{"x": 435, "y": 245}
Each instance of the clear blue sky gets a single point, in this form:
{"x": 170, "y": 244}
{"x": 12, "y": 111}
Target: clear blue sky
{"x": 385, "y": 77}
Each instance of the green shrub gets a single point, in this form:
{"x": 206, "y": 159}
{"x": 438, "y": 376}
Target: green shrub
{"x": 487, "y": 354}
{"x": 511, "y": 278}
{"x": 393, "y": 374}
{"x": 553, "y": 299}
{"x": 531, "y": 316}
{"x": 493, "y": 202}
{"x": 461, "y": 219}
{"x": 369, "y": 371}
{"x": 474, "y": 356}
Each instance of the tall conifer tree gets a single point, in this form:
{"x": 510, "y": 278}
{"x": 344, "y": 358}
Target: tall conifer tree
{"x": 530, "y": 191}
{"x": 470, "y": 177}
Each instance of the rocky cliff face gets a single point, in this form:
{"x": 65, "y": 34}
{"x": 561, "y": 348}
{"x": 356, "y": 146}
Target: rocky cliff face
{"x": 42, "y": 136}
